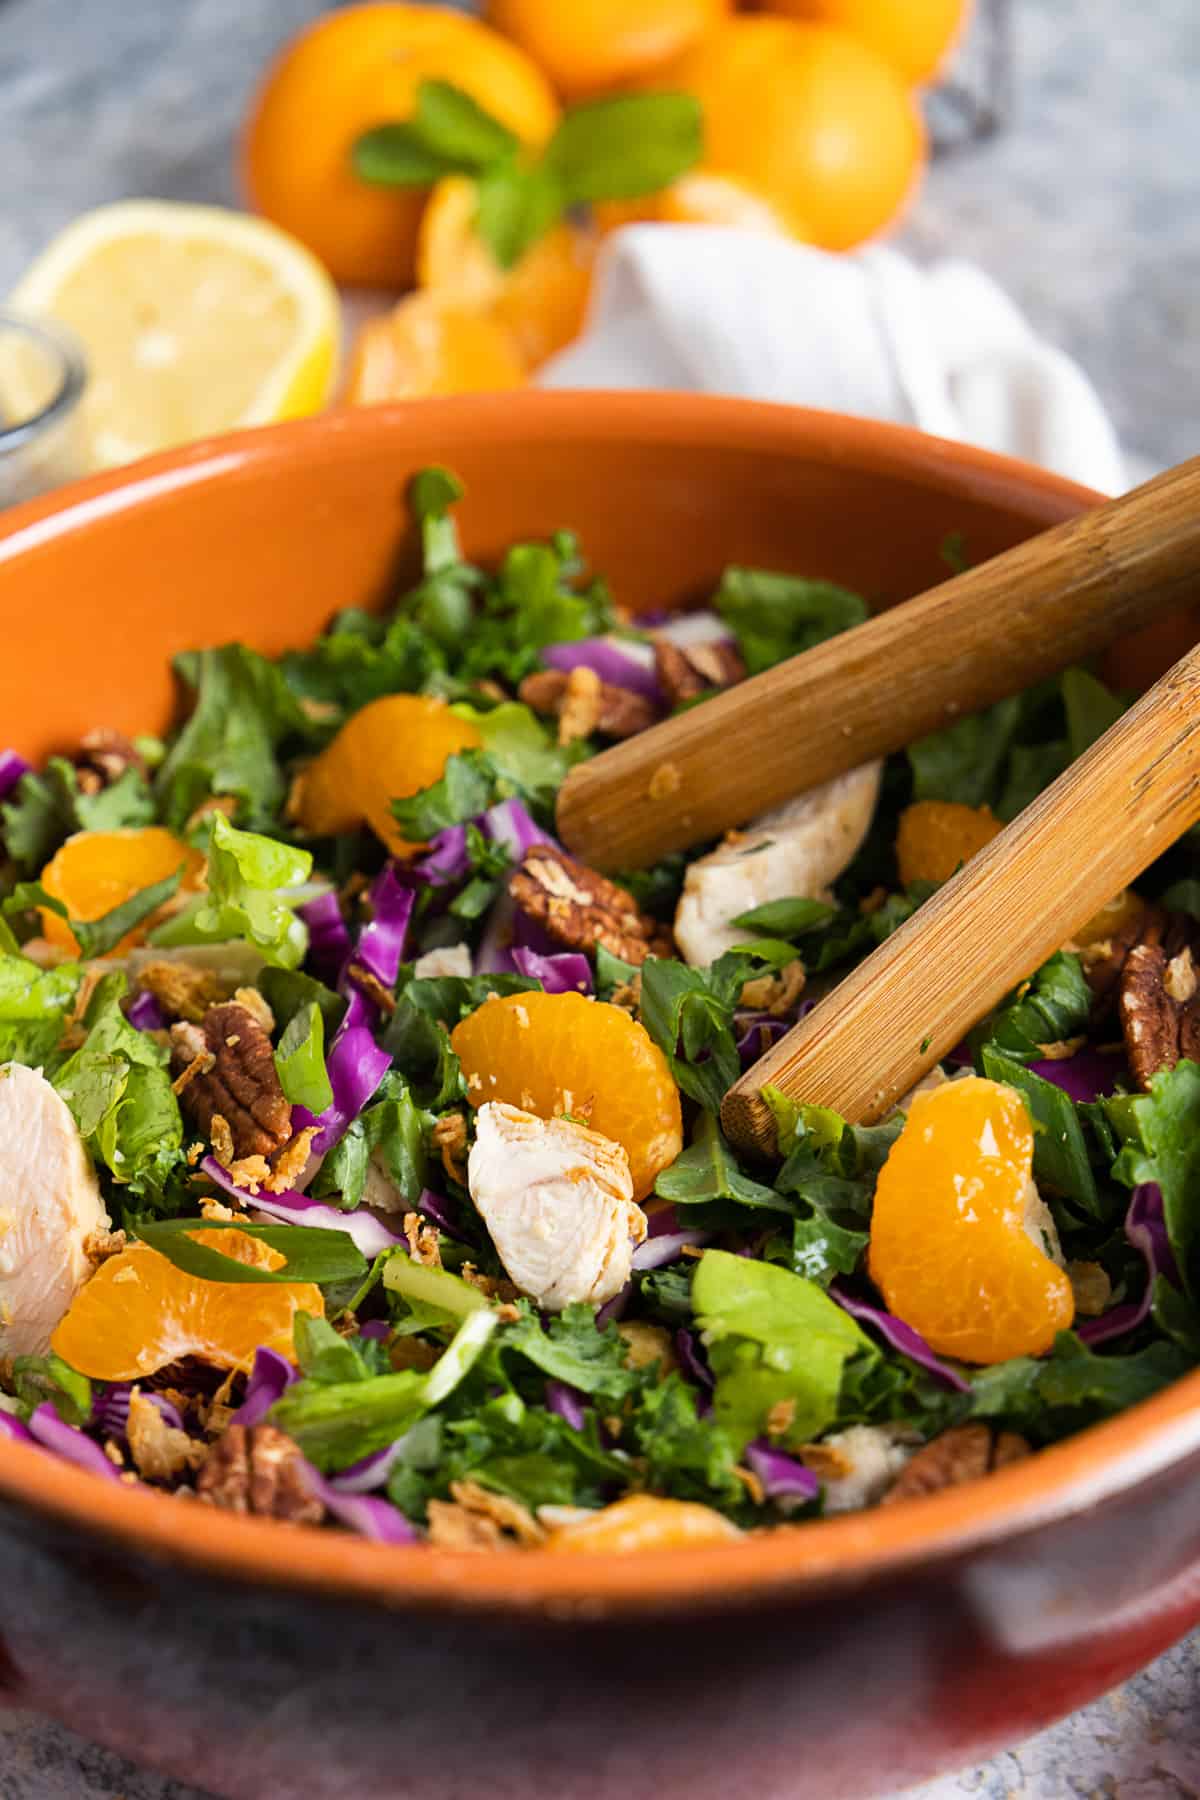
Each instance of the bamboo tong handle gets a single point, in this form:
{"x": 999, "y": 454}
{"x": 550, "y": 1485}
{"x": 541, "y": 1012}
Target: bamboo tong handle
{"x": 987, "y": 633}
{"x": 1086, "y": 837}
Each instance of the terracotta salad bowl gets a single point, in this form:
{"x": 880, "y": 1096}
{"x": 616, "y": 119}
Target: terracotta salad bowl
{"x": 846, "y": 1657}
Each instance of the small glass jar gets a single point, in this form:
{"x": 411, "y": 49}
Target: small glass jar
{"x": 42, "y": 378}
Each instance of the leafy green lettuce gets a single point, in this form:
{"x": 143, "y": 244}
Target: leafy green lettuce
{"x": 772, "y": 1338}
{"x": 119, "y": 1091}
{"x": 249, "y": 877}
{"x": 244, "y": 712}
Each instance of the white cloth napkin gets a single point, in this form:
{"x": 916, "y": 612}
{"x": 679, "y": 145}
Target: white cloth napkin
{"x": 724, "y": 311}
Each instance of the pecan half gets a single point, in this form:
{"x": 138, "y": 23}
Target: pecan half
{"x": 1104, "y": 960}
{"x": 963, "y": 1453}
{"x": 242, "y": 1086}
{"x": 102, "y": 758}
{"x": 1160, "y": 1009}
{"x": 686, "y": 671}
{"x": 259, "y": 1470}
{"x": 582, "y": 704}
{"x": 581, "y": 908}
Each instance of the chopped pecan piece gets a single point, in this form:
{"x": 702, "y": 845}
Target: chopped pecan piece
{"x": 581, "y": 908}
{"x": 161, "y": 1451}
{"x": 479, "y": 1519}
{"x": 963, "y": 1453}
{"x": 242, "y": 1086}
{"x": 103, "y": 757}
{"x": 259, "y": 1470}
{"x": 686, "y": 671}
{"x": 1160, "y": 1009}
{"x": 582, "y": 706}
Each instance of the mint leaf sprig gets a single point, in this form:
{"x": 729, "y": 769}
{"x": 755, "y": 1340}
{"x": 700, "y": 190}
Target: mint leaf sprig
{"x": 616, "y": 149}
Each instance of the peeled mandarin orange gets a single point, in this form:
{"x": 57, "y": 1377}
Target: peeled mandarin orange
{"x": 645, "y": 1522}
{"x": 935, "y": 837}
{"x": 915, "y": 36}
{"x": 953, "y": 1232}
{"x": 352, "y": 70}
{"x": 810, "y": 117}
{"x": 431, "y": 345}
{"x": 388, "y": 750}
{"x": 561, "y": 1053}
{"x": 697, "y": 199}
{"x": 139, "y": 1312}
{"x": 95, "y": 871}
{"x": 590, "y": 46}
{"x": 540, "y": 301}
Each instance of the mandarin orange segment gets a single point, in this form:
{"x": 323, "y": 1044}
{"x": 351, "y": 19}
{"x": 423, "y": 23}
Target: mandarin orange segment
{"x": 95, "y": 871}
{"x": 958, "y": 1231}
{"x": 645, "y": 1522}
{"x": 561, "y": 1053}
{"x": 431, "y": 345}
{"x": 935, "y": 837}
{"x": 139, "y": 1312}
{"x": 390, "y": 749}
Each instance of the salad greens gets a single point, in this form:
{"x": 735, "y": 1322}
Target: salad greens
{"x": 435, "y": 1388}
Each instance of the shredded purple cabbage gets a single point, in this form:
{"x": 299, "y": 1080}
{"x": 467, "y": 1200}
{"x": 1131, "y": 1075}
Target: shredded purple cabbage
{"x": 619, "y": 662}
{"x": 371, "y": 1473}
{"x": 365, "y": 1514}
{"x": 370, "y": 1234}
{"x": 758, "y": 1032}
{"x": 1146, "y": 1231}
{"x": 375, "y": 1328}
{"x": 783, "y": 1477}
{"x": 110, "y": 1409}
{"x": 566, "y": 972}
{"x": 443, "y": 1214}
{"x": 494, "y": 955}
{"x": 668, "y": 1247}
{"x": 692, "y": 1360}
{"x": 12, "y": 767}
{"x": 567, "y": 1402}
{"x": 901, "y": 1337}
{"x": 328, "y": 937}
{"x": 510, "y": 823}
{"x": 380, "y": 946}
{"x": 446, "y": 860}
{"x": 144, "y": 1013}
{"x": 661, "y": 1221}
{"x": 67, "y": 1441}
{"x": 614, "y": 1308}
{"x": 14, "y": 1428}
{"x": 355, "y": 1065}
{"x": 270, "y": 1379}
{"x": 1088, "y": 1075}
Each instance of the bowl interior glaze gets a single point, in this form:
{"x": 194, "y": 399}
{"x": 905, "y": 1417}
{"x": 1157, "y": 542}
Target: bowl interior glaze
{"x": 262, "y": 537}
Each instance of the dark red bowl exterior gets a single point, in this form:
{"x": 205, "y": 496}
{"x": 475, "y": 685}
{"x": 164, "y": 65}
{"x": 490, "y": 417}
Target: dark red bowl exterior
{"x": 844, "y": 1659}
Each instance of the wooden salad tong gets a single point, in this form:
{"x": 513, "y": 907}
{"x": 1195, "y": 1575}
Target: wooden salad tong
{"x": 990, "y": 632}
{"x": 987, "y": 633}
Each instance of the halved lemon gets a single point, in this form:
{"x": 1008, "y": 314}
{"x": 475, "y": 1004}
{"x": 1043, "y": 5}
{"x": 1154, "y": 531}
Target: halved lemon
{"x": 194, "y": 320}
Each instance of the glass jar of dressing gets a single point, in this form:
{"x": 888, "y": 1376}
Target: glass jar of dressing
{"x": 42, "y": 378}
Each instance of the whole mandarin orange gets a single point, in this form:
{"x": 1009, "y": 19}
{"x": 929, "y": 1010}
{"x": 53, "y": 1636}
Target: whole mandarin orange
{"x": 589, "y": 47}
{"x": 812, "y": 119}
{"x": 349, "y": 72}
{"x": 915, "y": 36}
